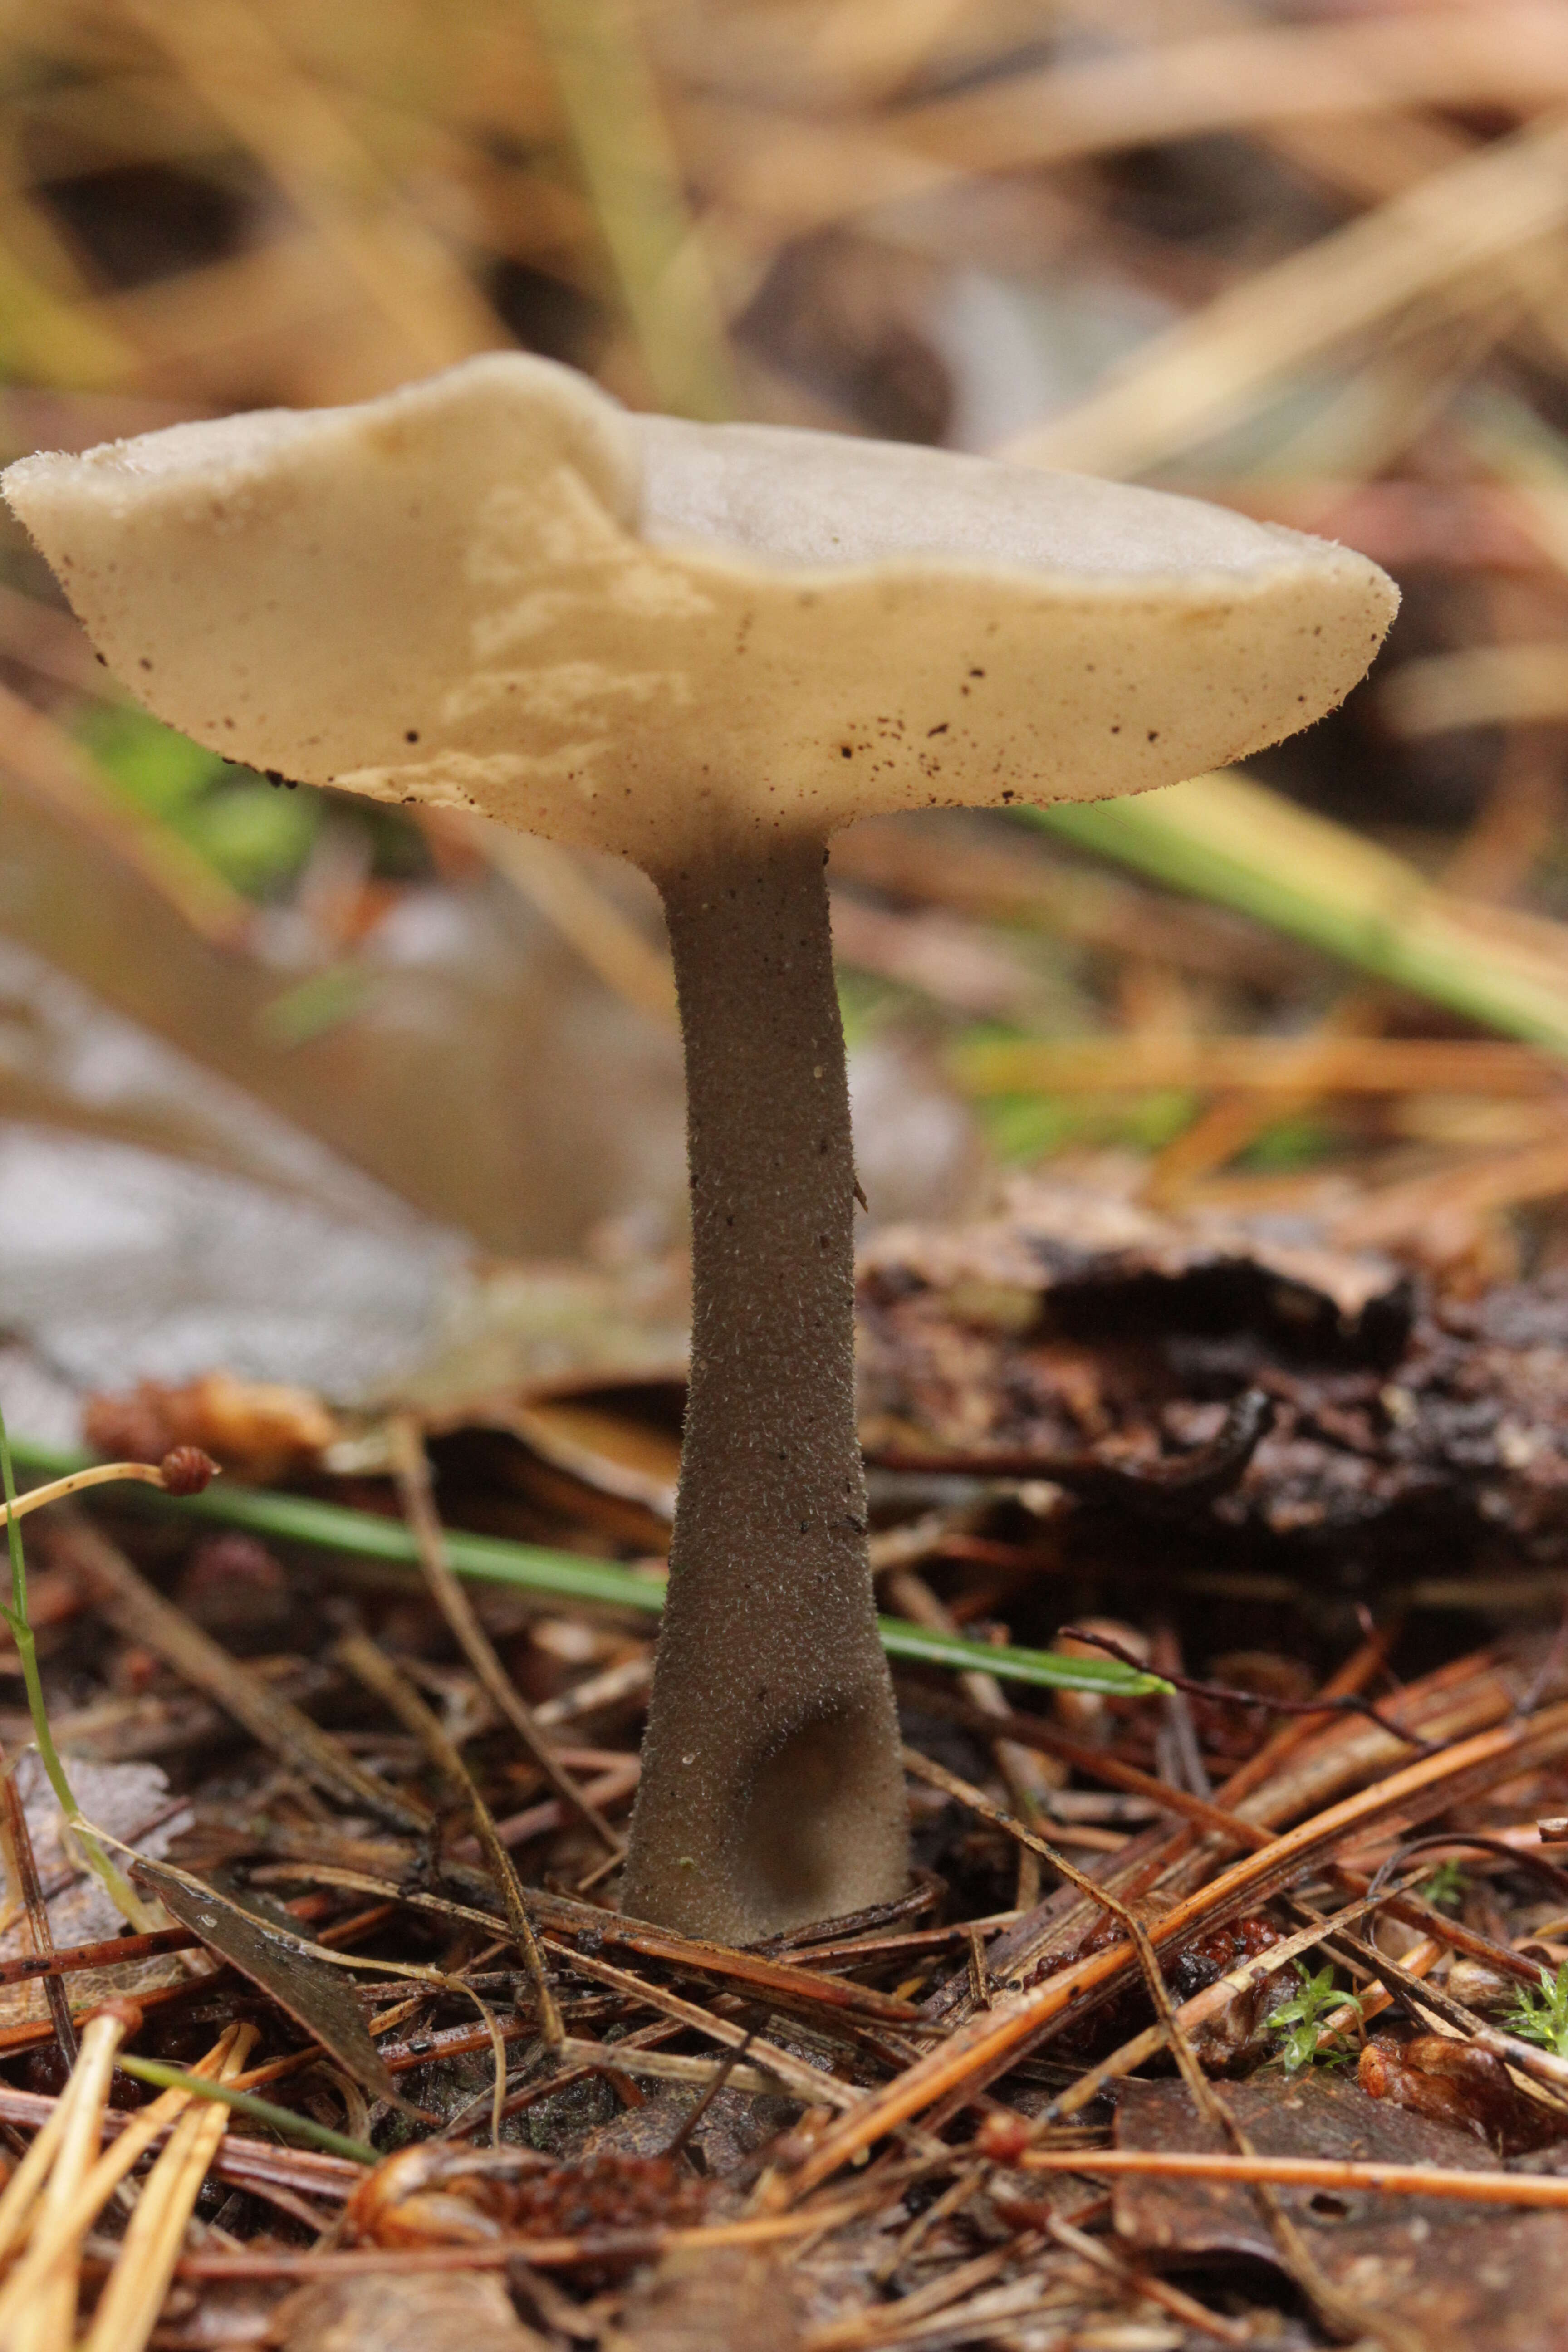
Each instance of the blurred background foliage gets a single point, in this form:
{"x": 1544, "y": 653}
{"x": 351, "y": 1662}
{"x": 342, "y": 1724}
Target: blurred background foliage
{"x": 1309, "y": 257}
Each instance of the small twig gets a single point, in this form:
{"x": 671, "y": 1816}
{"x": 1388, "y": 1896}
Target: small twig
{"x": 1181, "y": 1480}
{"x": 721, "y": 2073}
{"x": 802, "y": 2080}
{"x": 1181, "y": 2305}
{"x": 1098, "y": 1763}
{"x": 977, "y": 2051}
{"x": 550, "y": 2253}
{"x": 1336, "y": 2309}
{"x": 1346, "y": 1702}
{"x": 954, "y": 2197}
{"x": 1518, "y": 1858}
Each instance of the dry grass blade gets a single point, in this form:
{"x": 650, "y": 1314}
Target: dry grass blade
{"x": 552, "y": 880}
{"x": 1224, "y": 80}
{"x": 46, "y": 2322}
{"x": 542, "y": 2254}
{"x": 19, "y": 2202}
{"x": 751, "y": 1974}
{"x": 634, "y": 178}
{"x": 129, "y": 2307}
{"x": 1485, "y": 686}
{"x": 316, "y": 1998}
{"x": 610, "y": 2059}
{"x": 52, "y": 2245}
{"x": 231, "y": 57}
{"x": 1212, "y": 368}
{"x": 411, "y": 1467}
{"x": 801, "y": 173}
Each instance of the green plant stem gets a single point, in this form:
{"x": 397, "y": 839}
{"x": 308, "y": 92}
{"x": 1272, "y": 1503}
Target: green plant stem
{"x": 1229, "y": 839}
{"x": 120, "y": 1893}
{"x": 297, "y": 1518}
{"x": 246, "y": 2103}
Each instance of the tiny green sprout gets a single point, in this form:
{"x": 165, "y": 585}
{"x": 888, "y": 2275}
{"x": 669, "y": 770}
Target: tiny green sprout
{"x": 1300, "y": 2019}
{"x": 1542, "y": 2016}
{"x": 120, "y": 1892}
{"x": 1444, "y": 1887}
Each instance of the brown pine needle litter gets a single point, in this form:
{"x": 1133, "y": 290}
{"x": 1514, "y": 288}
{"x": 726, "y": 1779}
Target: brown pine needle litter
{"x": 1212, "y": 1302}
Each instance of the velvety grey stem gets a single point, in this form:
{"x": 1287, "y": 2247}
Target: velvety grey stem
{"x": 772, "y": 1790}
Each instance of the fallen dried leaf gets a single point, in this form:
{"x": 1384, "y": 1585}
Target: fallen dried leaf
{"x": 1494, "y": 2280}
{"x": 448, "y": 2311}
{"x": 317, "y": 1997}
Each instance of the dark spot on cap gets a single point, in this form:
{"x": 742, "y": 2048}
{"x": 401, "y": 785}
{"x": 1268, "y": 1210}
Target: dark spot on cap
{"x": 411, "y": 734}
{"x": 1153, "y": 734}
{"x": 977, "y": 673}
{"x": 845, "y": 751}
{"x": 145, "y": 662}
{"x": 937, "y": 731}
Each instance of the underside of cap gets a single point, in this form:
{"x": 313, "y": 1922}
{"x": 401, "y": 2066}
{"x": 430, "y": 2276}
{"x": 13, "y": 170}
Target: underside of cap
{"x": 498, "y": 590}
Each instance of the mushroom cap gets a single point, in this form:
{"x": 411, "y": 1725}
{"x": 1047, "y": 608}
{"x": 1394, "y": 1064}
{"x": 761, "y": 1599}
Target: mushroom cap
{"x": 497, "y": 588}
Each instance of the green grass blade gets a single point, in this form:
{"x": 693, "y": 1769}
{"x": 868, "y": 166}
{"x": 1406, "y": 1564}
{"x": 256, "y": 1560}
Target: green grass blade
{"x": 246, "y": 2103}
{"x": 298, "y": 1518}
{"x": 1226, "y": 838}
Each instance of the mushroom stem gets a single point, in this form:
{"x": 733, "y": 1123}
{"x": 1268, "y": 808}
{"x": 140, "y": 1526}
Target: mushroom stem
{"x": 772, "y": 1791}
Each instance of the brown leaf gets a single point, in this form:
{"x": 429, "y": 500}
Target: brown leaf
{"x": 1453, "y": 2082}
{"x": 1480, "y": 2275}
{"x": 269, "y": 1953}
{"x": 446, "y": 2311}
{"x": 255, "y": 1429}
{"x": 710, "y": 2301}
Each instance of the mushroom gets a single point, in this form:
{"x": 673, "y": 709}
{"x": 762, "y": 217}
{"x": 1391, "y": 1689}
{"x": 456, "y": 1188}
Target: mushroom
{"x": 705, "y": 647}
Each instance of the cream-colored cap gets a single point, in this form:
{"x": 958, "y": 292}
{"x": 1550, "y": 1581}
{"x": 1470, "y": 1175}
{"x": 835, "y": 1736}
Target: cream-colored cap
{"x": 499, "y": 590}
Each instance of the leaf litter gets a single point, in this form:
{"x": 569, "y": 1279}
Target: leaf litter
{"x": 907, "y": 2108}
{"x": 1279, "y": 1406}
